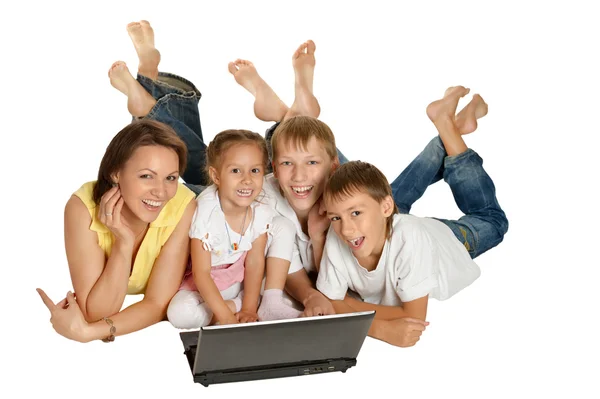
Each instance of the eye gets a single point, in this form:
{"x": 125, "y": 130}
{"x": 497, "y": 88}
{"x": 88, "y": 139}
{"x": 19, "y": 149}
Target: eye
{"x": 146, "y": 176}
{"x": 334, "y": 218}
{"x": 235, "y": 170}
{"x": 313, "y": 162}
{"x": 355, "y": 213}
{"x": 172, "y": 178}
{"x": 256, "y": 170}
{"x": 286, "y": 163}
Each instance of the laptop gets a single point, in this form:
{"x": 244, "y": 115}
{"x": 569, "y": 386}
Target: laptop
{"x": 275, "y": 349}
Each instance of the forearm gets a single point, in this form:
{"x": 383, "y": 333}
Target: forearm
{"x": 108, "y": 294}
{"x": 212, "y": 296}
{"x": 299, "y": 286}
{"x": 378, "y": 327}
{"x": 253, "y": 276}
{"x": 381, "y": 312}
{"x": 133, "y": 318}
{"x": 318, "y": 243}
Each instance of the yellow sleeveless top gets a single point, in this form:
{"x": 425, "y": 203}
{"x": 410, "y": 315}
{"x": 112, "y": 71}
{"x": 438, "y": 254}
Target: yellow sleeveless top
{"x": 157, "y": 235}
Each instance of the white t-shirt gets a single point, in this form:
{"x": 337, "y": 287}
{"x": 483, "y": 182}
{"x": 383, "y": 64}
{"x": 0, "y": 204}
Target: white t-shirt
{"x": 303, "y": 251}
{"x": 422, "y": 257}
{"x": 209, "y": 226}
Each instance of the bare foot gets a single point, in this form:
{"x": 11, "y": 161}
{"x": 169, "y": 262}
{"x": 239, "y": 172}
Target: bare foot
{"x": 139, "y": 101}
{"x": 305, "y": 103}
{"x": 445, "y": 108}
{"x": 466, "y": 120}
{"x": 142, "y": 36}
{"x": 268, "y": 106}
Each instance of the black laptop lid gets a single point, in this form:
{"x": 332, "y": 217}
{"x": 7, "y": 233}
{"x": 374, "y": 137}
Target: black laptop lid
{"x": 280, "y": 342}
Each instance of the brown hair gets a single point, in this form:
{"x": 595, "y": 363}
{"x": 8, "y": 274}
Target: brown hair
{"x": 298, "y": 131}
{"x": 229, "y": 138}
{"x": 139, "y": 133}
{"x": 358, "y": 176}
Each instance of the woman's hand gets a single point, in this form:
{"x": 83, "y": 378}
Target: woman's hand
{"x": 66, "y": 317}
{"x": 111, "y": 205}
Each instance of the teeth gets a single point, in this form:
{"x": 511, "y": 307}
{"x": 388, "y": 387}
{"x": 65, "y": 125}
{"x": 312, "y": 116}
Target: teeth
{"x": 152, "y": 203}
{"x": 245, "y": 192}
{"x": 355, "y": 241}
{"x": 301, "y": 189}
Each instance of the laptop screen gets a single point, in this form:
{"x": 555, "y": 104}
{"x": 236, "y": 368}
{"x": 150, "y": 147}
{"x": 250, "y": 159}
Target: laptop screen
{"x": 281, "y": 342}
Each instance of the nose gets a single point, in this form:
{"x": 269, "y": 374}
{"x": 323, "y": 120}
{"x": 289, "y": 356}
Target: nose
{"x": 347, "y": 228}
{"x": 247, "y": 178}
{"x": 299, "y": 173}
{"x": 159, "y": 190}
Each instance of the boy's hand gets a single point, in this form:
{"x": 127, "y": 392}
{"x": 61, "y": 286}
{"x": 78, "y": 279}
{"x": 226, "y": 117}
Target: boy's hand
{"x": 245, "y": 316}
{"x": 404, "y": 332}
{"x": 318, "y": 222}
{"x": 317, "y": 304}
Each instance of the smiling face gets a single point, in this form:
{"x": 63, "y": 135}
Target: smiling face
{"x": 302, "y": 173}
{"x": 239, "y": 176}
{"x": 361, "y": 222}
{"x": 148, "y": 180}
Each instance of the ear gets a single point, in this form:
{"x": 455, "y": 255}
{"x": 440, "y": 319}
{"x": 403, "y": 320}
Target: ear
{"x": 334, "y": 165}
{"x": 274, "y": 168}
{"x": 214, "y": 176}
{"x": 114, "y": 178}
{"x": 387, "y": 206}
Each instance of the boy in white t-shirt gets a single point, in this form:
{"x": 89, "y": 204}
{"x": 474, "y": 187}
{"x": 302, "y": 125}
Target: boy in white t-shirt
{"x": 395, "y": 261}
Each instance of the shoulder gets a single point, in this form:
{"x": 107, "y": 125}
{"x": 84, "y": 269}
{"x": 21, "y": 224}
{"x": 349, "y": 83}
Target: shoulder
{"x": 81, "y": 206}
{"x": 85, "y": 193}
{"x": 409, "y": 227}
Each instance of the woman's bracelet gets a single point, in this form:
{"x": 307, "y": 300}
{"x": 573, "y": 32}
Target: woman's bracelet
{"x": 113, "y": 330}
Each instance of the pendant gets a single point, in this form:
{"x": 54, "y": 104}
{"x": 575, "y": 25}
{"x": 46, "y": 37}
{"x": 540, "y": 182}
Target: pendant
{"x": 234, "y": 246}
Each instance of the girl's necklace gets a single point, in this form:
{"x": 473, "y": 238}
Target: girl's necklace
{"x": 236, "y": 245}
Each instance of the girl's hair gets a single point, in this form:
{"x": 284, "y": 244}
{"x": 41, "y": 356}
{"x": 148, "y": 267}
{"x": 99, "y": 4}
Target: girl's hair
{"x": 229, "y": 138}
{"x": 355, "y": 177}
{"x": 139, "y": 133}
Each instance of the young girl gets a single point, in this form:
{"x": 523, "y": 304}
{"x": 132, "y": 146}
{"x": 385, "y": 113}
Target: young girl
{"x": 230, "y": 235}
{"x": 395, "y": 261}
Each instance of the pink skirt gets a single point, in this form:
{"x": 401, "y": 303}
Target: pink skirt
{"x": 224, "y": 276}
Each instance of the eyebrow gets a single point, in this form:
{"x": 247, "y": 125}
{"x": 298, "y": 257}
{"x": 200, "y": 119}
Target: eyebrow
{"x": 350, "y": 208}
{"x": 235, "y": 164}
{"x": 175, "y": 172}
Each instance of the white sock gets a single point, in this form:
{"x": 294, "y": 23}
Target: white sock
{"x": 273, "y": 307}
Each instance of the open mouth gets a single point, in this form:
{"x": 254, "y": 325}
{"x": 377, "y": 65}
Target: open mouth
{"x": 302, "y": 191}
{"x": 246, "y": 192}
{"x": 152, "y": 205}
{"x": 356, "y": 243}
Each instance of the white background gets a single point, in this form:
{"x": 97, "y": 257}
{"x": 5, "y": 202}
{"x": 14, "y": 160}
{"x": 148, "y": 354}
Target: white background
{"x": 528, "y": 327}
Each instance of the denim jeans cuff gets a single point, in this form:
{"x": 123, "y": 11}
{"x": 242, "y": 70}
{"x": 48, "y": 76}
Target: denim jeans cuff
{"x": 462, "y": 157}
{"x": 173, "y": 82}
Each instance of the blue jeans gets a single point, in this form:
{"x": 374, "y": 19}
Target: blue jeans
{"x": 269, "y": 135}
{"x": 484, "y": 223}
{"x": 177, "y": 106}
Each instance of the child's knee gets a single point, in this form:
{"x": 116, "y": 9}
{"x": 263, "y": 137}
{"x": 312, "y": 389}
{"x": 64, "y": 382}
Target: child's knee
{"x": 182, "y": 309}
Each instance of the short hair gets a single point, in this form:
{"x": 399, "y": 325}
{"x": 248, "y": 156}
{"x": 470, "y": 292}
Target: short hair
{"x": 229, "y": 138}
{"x": 298, "y": 131}
{"x": 139, "y": 133}
{"x": 357, "y": 176}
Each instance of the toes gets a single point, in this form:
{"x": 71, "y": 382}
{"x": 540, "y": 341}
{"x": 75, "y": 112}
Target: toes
{"x": 115, "y": 65}
{"x": 301, "y": 50}
{"x": 310, "y": 47}
{"x": 232, "y": 68}
{"x": 134, "y": 26}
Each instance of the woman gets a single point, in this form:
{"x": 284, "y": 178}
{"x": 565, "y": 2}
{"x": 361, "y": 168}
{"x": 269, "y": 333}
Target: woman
{"x": 126, "y": 233}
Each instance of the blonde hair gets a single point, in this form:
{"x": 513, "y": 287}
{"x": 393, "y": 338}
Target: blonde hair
{"x": 229, "y": 138}
{"x": 357, "y": 176}
{"x": 298, "y": 131}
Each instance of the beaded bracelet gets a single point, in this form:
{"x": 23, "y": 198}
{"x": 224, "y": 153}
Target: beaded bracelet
{"x": 113, "y": 330}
